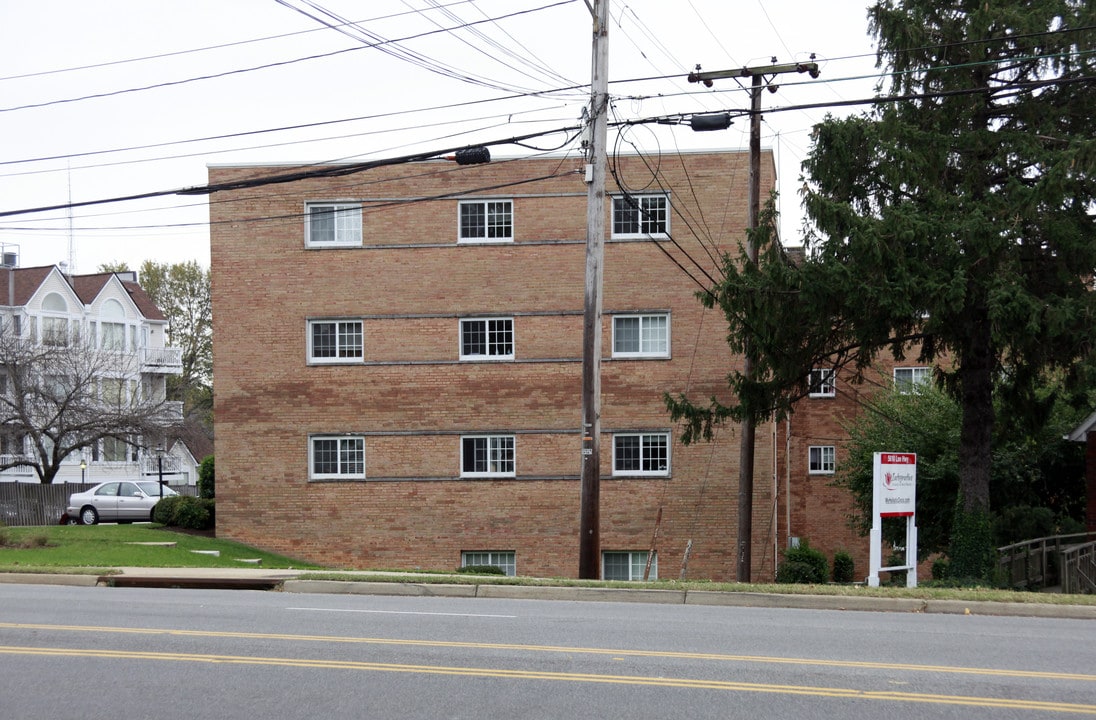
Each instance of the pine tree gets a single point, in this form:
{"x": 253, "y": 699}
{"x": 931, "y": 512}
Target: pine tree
{"x": 954, "y": 220}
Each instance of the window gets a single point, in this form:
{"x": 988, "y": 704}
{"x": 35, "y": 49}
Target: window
{"x": 491, "y": 338}
{"x": 822, "y": 383}
{"x": 641, "y": 454}
{"x": 332, "y": 341}
{"x": 821, "y": 459}
{"x": 640, "y": 216}
{"x": 112, "y": 391}
{"x": 333, "y": 225}
{"x": 641, "y": 336}
{"x": 114, "y": 450}
{"x": 112, "y": 336}
{"x": 627, "y": 566}
{"x": 506, "y": 560}
{"x": 487, "y": 456}
{"x": 55, "y": 331}
{"x": 337, "y": 458}
{"x": 486, "y": 221}
{"x": 906, "y": 379}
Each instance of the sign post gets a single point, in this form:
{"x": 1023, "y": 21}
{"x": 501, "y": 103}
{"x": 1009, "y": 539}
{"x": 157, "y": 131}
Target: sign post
{"x": 894, "y": 495}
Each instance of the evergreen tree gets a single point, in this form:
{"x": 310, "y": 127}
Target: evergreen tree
{"x": 954, "y": 221}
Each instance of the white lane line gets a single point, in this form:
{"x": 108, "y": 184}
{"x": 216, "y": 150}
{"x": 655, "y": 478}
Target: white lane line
{"x": 400, "y": 612}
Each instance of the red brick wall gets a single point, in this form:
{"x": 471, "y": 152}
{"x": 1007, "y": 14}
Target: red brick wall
{"x": 412, "y": 399}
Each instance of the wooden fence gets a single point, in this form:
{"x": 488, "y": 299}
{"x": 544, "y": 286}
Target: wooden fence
{"x": 1079, "y": 569}
{"x": 1045, "y": 562}
{"x": 37, "y": 504}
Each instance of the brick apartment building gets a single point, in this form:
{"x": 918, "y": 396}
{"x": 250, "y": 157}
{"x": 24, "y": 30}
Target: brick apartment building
{"x": 398, "y": 371}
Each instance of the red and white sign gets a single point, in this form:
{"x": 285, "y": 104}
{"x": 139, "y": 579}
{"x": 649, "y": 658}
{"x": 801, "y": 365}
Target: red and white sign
{"x": 895, "y": 492}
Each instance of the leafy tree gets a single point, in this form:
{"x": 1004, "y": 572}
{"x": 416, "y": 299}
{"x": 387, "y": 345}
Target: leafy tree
{"x": 59, "y": 399}
{"x": 954, "y": 221}
{"x": 1037, "y": 476}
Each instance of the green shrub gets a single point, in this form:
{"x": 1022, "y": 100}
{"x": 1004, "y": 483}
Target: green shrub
{"x": 193, "y": 514}
{"x": 481, "y": 570}
{"x": 164, "y": 511}
{"x": 186, "y": 512}
{"x": 206, "y": 485}
{"x": 803, "y": 564}
{"x": 940, "y": 569}
{"x": 844, "y": 569}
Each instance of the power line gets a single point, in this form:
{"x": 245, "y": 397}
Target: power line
{"x": 228, "y": 73}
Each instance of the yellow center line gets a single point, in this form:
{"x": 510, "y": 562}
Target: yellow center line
{"x": 615, "y": 652}
{"x": 731, "y": 686}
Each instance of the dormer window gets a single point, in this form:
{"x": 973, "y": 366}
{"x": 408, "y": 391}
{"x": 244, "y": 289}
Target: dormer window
{"x": 55, "y": 330}
{"x": 112, "y": 327}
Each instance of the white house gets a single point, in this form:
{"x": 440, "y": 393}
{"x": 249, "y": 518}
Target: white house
{"x": 108, "y": 311}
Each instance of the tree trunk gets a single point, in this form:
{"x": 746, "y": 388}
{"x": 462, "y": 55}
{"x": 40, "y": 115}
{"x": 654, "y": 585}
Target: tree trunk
{"x": 976, "y": 400}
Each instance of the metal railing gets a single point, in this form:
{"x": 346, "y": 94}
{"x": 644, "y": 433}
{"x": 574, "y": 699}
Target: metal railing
{"x": 163, "y": 358}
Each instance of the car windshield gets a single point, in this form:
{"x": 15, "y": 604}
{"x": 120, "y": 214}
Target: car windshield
{"x": 151, "y": 487}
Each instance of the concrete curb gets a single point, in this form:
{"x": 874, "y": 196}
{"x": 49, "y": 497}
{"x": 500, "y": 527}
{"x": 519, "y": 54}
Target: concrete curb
{"x": 288, "y": 581}
{"x": 47, "y": 579}
{"x": 340, "y": 587}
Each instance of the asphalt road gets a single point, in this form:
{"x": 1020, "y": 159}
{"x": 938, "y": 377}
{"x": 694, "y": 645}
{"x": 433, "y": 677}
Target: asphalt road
{"x": 71, "y": 652}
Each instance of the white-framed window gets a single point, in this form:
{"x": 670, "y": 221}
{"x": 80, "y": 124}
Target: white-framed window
{"x": 487, "y": 339}
{"x": 112, "y": 336}
{"x": 506, "y": 559}
{"x": 641, "y": 335}
{"x": 333, "y": 224}
{"x": 641, "y": 454}
{"x": 627, "y": 565}
{"x": 486, "y": 221}
{"x": 336, "y": 457}
{"x": 112, "y": 391}
{"x": 908, "y": 378}
{"x": 487, "y": 456}
{"x": 636, "y": 216}
{"x": 821, "y": 459}
{"x": 335, "y": 341}
{"x": 55, "y": 331}
{"x": 115, "y": 450}
{"x": 823, "y": 382}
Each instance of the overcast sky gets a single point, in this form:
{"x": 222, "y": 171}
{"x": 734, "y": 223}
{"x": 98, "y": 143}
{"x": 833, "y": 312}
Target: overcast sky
{"x": 114, "y": 98}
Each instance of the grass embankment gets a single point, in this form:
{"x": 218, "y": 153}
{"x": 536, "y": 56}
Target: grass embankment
{"x": 94, "y": 549}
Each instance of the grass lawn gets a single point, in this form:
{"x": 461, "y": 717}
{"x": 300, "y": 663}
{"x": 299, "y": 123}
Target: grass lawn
{"x": 94, "y": 548}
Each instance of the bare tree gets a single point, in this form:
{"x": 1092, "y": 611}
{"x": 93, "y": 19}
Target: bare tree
{"x": 59, "y": 397}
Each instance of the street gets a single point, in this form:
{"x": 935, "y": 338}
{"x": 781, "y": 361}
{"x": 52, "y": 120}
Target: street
{"x": 94, "y": 652}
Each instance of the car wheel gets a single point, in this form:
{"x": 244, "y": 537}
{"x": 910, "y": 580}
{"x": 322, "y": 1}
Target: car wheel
{"x": 89, "y": 516}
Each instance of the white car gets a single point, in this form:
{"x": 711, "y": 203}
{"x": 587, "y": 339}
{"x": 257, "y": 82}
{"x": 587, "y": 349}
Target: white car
{"x": 117, "y": 501}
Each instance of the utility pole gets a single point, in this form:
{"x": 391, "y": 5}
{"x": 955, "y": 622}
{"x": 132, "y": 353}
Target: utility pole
{"x": 748, "y": 430}
{"x": 589, "y": 560}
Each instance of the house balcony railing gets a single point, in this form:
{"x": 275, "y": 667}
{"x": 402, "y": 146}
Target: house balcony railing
{"x": 165, "y": 360}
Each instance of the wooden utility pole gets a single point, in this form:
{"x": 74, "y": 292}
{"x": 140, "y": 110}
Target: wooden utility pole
{"x": 589, "y": 559}
{"x": 748, "y": 430}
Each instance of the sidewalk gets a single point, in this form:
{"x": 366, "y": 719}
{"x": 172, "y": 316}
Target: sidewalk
{"x": 290, "y": 581}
